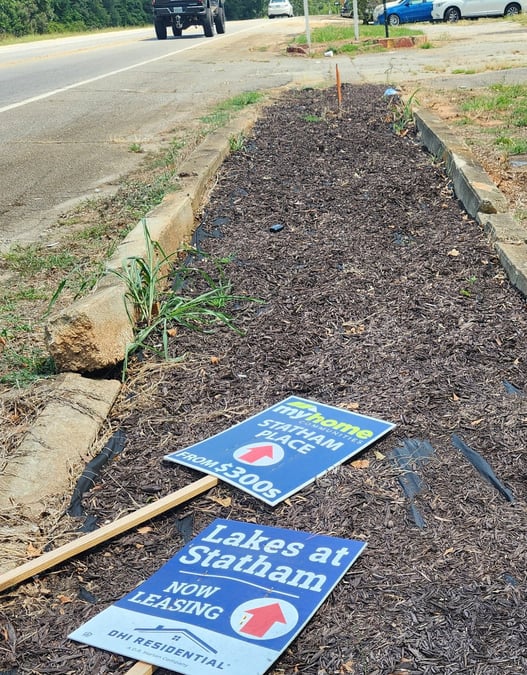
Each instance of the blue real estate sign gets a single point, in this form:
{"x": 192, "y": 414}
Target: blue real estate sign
{"x": 237, "y": 594}
{"x": 277, "y": 452}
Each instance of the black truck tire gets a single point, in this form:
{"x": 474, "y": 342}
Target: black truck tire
{"x": 219, "y": 20}
{"x": 161, "y": 29}
{"x": 208, "y": 26}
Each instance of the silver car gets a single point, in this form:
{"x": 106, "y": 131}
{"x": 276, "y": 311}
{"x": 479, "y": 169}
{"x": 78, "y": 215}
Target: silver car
{"x": 279, "y": 8}
{"x": 453, "y": 10}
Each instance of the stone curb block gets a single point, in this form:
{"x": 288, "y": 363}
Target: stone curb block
{"x": 501, "y": 227}
{"x": 479, "y": 195}
{"x": 93, "y": 333}
{"x": 513, "y": 258}
{"x": 59, "y": 439}
{"x": 471, "y": 184}
{"x": 403, "y": 42}
{"x": 169, "y": 224}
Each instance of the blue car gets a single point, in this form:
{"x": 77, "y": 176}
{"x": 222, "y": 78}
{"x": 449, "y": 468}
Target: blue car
{"x": 404, "y": 11}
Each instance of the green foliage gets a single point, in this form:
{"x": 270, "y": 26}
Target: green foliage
{"x": 30, "y": 260}
{"x": 244, "y": 9}
{"x": 22, "y": 369}
{"x": 468, "y": 289}
{"x": 237, "y": 143}
{"x": 509, "y": 100}
{"x": 19, "y": 17}
{"x": 25, "y": 17}
{"x": 155, "y": 311}
{"x": 402, "y": 114}
{"x": 343, "y": 31}
{"x": 349, "y": 48}
{"x": 513, "y": 146}
{"x": 36, "y": 17}
{"x": 22, "y": 361}
{"x": 312, "y": 118}
{"x": 507, "y": 104}
{"x": 223, "y": 112}
{"x": 143, "y": 278}
{"x": 142, "y": 195}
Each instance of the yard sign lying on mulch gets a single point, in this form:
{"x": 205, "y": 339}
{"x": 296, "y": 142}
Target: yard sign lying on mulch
{"x": 277, "y": 452}
{"x": 237, "y": 594}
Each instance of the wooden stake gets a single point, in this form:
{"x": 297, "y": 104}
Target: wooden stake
{"x": 141, "y": 668}
{"x": 339, "y": 89}
{"x": 104, "y": 533}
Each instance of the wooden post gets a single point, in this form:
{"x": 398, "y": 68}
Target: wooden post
{"x": 106, "y": 532}
{"x": 141, "y": 668}
{"x": 339, "y": 89}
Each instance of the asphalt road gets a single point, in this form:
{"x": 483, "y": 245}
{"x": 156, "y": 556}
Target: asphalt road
{"x": 70, "y": 108}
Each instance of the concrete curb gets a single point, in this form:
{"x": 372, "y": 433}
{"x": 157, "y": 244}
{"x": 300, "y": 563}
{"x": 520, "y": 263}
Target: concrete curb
{"x": 58, "y": 441}
{"x": 94, "y": 332}
{"x": 479, "y": 195}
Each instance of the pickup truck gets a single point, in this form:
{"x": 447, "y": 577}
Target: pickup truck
{"x": 181, "y": 14}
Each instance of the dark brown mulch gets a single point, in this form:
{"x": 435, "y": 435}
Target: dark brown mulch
{"x": 380, "y": 293}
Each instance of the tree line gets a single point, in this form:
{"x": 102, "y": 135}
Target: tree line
{"x": 26, "y": 17}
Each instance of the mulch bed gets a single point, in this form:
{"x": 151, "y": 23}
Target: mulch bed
{"x": 381, "y": 295}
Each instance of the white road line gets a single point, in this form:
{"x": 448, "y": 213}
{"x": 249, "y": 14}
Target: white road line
{"x": 40, "y": 97}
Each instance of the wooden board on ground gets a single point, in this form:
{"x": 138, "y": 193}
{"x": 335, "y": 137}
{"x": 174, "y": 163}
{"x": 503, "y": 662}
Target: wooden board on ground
{"x": 52, "y": 558}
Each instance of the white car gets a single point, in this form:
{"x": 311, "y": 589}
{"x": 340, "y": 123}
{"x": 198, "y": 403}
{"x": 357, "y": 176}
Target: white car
{"x": 453, "y": 10}
{"x": 279, "y": 8}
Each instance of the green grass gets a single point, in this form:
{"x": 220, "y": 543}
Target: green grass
{"x": 24, "y": 368}
{"x": 22, "y": 360}
{"x": 223, "y": 112}
{"x": 91, "y": 232}
{"x": 312, "y": 118}
{"x": 7, "y": 39}
{"x": 468, "y": 289}
{"x": 171, "y": 155}
{"x": 507, "y": 106}
{"x": 340, "y": 33}
{"x": 511, "y": 145}
{"x": 23, "y": 293}
{"x": 508, "y": 100}
{"x": 68, "y": 270}
{"x": 143, "y": 195}
{"x": 237, "y": 142}
{"x": 30, "y": 260}
{"x": 152, "y": 310}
